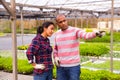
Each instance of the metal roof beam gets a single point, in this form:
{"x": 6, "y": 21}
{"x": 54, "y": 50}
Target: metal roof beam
{"x": 48, "y": 7}
{"x": 6, "y": 6}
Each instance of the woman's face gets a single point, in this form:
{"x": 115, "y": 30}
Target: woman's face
{"x": 50, "y": 30}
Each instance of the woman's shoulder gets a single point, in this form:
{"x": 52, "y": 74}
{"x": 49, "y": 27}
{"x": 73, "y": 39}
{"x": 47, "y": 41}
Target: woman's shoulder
{"x": 37, "y": 37}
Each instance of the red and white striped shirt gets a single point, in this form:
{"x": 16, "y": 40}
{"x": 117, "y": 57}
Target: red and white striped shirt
{"x": 67, "y": 45}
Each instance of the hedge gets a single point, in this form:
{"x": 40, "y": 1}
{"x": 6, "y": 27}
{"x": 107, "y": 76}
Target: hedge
{"x": 98, "y": 75}
{"x": 93, "y": 49}
{"x": 25, "y": 68}
{"x": 106, "y": 38}
{"x": 87, "y": 49}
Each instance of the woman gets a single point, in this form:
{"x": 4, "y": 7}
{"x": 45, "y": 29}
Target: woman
{"x": 39, "y": 52}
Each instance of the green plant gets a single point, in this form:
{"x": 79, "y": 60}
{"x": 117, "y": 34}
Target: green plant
{"x": 6, "y": 64}
{"x": 106, "y": 38}
{"x": 98, "y": 75}
{"x": 116, "y": 46}
{"x": 54, "y": 72}
{"x": 84, "y": 58}
{"x": 23, "y": 47}
{"x": 93, "y": 49}
{"x": 116, "y": 36}
{"x": 115, "y": 55}
{"x": 24, "y": 67}
{"x": 104, "y": 65}
{"x": 1, "y": 63}
{"x": 89, "y": 30}
{"x": 2, "y": 34}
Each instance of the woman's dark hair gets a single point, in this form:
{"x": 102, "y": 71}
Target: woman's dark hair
{"x": 40, "y": 29}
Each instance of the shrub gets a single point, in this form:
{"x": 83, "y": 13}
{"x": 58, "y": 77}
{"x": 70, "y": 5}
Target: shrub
{"x": 54, "y": 72}
{"x": 98, "y": 75}
{"x": 106, "y": 38}
{"x": 89, "y": 30}
{"x": 24, "y": 67}
{"x": 2, "y": 34}
{"x": 1, "y": 63}
{"x": 93, "y": 49}
{"x": 6, "y": 64}
{"x": 116, "y": 36}
{"x": 23, "y": 47}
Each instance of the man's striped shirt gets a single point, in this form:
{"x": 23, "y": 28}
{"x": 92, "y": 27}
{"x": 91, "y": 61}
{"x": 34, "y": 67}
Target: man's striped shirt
{"x": 67, "y": 45}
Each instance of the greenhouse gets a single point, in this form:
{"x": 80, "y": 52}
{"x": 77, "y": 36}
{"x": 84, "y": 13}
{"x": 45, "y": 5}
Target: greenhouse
{"x": 19, "y": 20}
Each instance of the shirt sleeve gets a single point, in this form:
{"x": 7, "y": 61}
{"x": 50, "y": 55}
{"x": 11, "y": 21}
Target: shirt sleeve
{"x": 85, "y": 35}
{"x": 32, "y": 50}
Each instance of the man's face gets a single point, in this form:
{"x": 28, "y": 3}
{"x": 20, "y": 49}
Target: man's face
{"x": 62, "y": 22}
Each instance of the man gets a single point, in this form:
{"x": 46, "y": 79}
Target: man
{"x": 66, "y": 49}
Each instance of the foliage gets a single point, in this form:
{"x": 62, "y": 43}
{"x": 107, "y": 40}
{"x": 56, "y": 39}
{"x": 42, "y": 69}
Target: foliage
{"x": 87, "y": 49}
{"x": 94, "y": 75}
{"x": 84, "y": 58}
{"x": 1, "y": 63}
{"x": 30, "y": 26}
{"x": 104, "y": 65}
{"x": 115, "y": 55}
{"x": 6, "y": 64}
{"x": 54, "y": 71}
{"x": 116, "y": 36}
{"x": 5, "y": 26}
{"x": 116, "y": 46}
{"x": 2, "y": 34}
{"x": 93, "y": 49}
{"x": 89, "y": 30}
{"x": 106, "y": 38}
{"x": 23, "y": 66}
{"x": 98, "y": 75}
{"x": 30, "y": 31}
{"x": 23, "y": 47}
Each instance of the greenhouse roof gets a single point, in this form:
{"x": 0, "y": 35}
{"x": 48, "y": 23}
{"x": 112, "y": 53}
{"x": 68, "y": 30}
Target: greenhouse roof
{"x": 68, "y": 5}
{"x": 94, "y": 5}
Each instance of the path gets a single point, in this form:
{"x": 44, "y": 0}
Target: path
{"x": 9, "y": 76}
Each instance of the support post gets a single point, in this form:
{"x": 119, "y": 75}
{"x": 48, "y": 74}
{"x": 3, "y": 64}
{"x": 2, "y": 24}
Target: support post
{"x": 14, "y": 40}
{"x": 111, "y": 38}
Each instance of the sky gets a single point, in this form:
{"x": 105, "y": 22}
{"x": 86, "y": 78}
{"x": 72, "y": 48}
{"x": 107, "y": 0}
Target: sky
{"x": 95, "y": 5}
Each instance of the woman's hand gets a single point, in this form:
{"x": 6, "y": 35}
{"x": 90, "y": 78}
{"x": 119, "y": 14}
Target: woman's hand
{"x": 38, "y": 66}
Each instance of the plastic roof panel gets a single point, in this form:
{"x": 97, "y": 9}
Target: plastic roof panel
{"x": 94, "y": 5}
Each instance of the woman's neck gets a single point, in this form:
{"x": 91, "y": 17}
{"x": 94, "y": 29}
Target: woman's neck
{"x": 44, "y": 35}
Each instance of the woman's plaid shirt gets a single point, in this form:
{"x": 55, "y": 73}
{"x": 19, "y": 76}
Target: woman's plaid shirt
{"x": 40, "y": 52}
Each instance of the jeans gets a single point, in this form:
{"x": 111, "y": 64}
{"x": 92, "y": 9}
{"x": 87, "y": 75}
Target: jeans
{"x": 68, "y": 73}
{"x": 44, "y": 76}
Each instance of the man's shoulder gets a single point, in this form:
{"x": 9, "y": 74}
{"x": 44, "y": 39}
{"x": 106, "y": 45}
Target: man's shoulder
{"x": 71, "y": 28}
{"x": 58, "y": 31}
